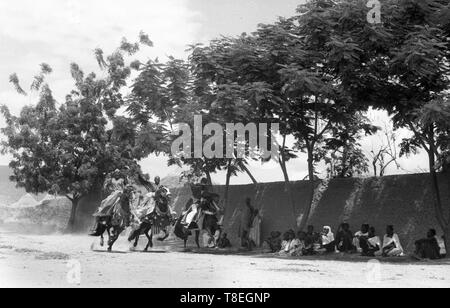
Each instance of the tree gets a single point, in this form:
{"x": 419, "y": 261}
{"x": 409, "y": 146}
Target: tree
{"x": 431, "y": 127}
{"x": 402, "y": 67}
{"x": 175, "y": 91}
{"x": 342, "y": 152}
{"x": 70, "y": 148}
{"x": 386, "y": 153}
{"x": 285, "y": 72}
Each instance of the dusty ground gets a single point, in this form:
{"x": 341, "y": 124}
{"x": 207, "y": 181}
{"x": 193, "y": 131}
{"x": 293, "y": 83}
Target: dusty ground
{"x": 45, "y": 261}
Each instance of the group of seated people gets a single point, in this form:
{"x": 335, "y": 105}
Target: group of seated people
{"x": 365, "y": 242}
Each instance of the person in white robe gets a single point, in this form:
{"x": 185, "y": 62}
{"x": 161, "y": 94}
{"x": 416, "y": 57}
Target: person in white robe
{"x": 391, "y": 244}
{"x": 363, "y": 233}
{"x": 328, "y": 240}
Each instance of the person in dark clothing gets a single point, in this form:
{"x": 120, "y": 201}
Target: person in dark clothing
{"x": 362, "y": 233}
{"x": 344, "y": 239}
{"x": 312, "y": 239}
{"x": 273, "y": 243}
{"x": 247, "y": 216}
{"x": 370, "y": 244}
{"x": 428, "y": 248}
{"x": 223, "y": 241}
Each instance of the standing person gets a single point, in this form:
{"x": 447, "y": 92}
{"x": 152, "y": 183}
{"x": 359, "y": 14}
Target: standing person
{"x": 255, "y": 230}
{"x": 391, "y": 244}
{"x": 441, "y": 242}
{"x": 247, "y": 216}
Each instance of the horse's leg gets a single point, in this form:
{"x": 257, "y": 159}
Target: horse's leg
{"x": 135, "y": 235}
{"x": 136, "y": 241}
{"x": 102, "y": 240}
{"x": 197, "y": 238}
{"x": 114, "y": 238}
{"x": 149, "y": 235}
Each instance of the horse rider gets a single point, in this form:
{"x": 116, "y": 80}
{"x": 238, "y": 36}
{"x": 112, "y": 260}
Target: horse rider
{"x": 156, "y": 184}
{"x": 202, "y": 203}
{"x": 114, "y": 186}
{"x": 147, "y": 204}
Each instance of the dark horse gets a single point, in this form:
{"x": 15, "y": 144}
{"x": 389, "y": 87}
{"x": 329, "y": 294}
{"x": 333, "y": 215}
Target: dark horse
{"x": 210, "y": 224}
{"x": 116, "y": 221}
{"x": 159, "y": 219}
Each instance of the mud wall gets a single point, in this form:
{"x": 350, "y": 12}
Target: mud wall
{"x": 403, "y": 201}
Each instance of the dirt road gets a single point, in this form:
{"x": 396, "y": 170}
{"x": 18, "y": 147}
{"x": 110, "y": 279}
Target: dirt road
{"x": 54, "y": 261}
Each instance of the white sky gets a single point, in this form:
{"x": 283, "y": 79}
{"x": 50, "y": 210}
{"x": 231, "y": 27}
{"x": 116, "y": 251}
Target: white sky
{"x": 59, "y": 32}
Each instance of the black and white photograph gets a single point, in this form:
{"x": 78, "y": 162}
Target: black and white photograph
{"x": 225, "y": 145}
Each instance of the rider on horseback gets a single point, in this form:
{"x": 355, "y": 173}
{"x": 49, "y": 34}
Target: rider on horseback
{"x": 154, "y": 213}
{"x": 203, "y": 202}
{"x": 116, "y": 186}
{"x": 201, "y": 214}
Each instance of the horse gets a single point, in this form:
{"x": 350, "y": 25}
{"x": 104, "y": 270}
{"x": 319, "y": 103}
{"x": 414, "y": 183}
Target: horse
{"x": 159, "y": 219}
{"x": 210, "y": 224}
{"x": 116, "y": 221}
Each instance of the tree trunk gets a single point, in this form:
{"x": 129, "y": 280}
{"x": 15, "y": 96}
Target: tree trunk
{"x": 305, "y": 217}
{"x": 440, "y": 217}
{"x": 227, "y": 187}
{"x": 249, "y": 173}
{"x": 208, "y": 177}
{"x": 439, "y": 212}
{"x": 288, "y": 189}
{"x": 73, "y": 214}
{"x": 446, "y": 175}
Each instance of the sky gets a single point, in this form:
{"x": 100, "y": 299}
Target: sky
{"x": 59, "y": 32}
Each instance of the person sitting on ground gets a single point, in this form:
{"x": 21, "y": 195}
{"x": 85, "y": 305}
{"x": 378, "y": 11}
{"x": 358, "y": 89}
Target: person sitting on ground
{"x": 344, "y": 239}
{"x": 273, "y": 243}
{"x": 312, "y": 241}
{"x": 428, "y": 248}
{"x": 328, "y": 241}
{"x": 361, "y": 234}
{"x": 223, "y": 241}
{"x": 299, "y": 245}
{"x": 289, "y": 244}
{"x": 391, "y": 244}
{"x": 371, "y": 244}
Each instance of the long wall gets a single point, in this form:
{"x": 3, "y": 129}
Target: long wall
{"x": 404, "y": 201}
